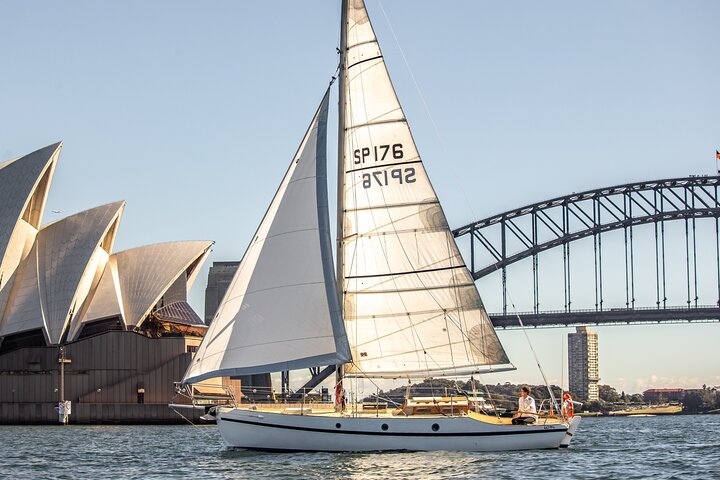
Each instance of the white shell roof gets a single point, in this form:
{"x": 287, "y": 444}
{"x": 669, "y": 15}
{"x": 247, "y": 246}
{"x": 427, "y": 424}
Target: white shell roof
{"x": 19, "y": 182}
{"x": 104, "y": 302}
{"x": 57, "y": 274}
{"x": 145, "y": 273}
{"x": 135, "y": 280}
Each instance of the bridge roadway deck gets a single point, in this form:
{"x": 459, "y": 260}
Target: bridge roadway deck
{"x": 614, "y": 316}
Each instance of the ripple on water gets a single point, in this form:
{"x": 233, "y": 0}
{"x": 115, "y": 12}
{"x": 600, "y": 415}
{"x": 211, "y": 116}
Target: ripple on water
{"x": 628, "y": 448}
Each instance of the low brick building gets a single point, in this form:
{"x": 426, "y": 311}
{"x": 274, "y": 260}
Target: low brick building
{"x": 663, "y": 395}
{"x": 112, "y": 377}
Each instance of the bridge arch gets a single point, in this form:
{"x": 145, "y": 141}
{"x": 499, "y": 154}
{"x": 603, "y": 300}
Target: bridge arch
{"x": 558, "y": 222}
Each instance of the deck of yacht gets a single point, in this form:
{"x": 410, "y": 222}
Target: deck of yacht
{"x": 415, "y": 407}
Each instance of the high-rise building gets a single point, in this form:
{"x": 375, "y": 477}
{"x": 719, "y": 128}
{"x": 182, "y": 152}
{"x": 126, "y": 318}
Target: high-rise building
{"x": 583, "y": 364}
{"x": 219, "y": 278}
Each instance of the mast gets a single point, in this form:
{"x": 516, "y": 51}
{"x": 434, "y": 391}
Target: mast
{"x": 339, "y": 369}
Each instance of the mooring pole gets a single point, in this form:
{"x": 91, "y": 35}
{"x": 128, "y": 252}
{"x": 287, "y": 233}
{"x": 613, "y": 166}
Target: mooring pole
{"x": 64, "y": 406}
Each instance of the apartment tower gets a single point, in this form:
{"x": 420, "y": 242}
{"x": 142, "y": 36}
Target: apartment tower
{"x": 583, "y": 364}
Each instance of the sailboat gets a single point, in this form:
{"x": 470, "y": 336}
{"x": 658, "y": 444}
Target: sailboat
{"x": 401, "y": 304}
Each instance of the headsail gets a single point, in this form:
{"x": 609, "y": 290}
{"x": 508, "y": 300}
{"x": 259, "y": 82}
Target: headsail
{"x": 281, "y": 311}
{"x": 411, "y": 307}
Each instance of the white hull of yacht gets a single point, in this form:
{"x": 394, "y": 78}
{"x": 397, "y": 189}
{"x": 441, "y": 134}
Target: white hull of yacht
{"x": 250, "y": 429}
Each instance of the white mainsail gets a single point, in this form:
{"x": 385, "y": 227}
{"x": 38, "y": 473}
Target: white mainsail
{"x": 410, "y": 305}
{"x": 282, "y": 311}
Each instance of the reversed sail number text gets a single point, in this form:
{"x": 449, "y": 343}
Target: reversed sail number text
{"x": 399, "y": 175}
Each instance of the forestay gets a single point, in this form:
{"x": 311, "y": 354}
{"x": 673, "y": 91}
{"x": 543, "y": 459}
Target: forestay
{"x": 281, "y": 311}
{"x": 410, "y": 304}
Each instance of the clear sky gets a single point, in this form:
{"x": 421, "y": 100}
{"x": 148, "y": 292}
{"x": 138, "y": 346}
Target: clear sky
{"x": 190, "y": 111}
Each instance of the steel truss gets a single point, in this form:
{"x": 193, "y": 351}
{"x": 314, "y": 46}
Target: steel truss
{"x": 560, "y": 221}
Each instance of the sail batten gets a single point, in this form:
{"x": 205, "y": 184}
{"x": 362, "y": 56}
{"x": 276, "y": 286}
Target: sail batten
{"x": 281, "y": 311}
{"x": 413, "y": 272}
{"x": 409, "y": 302}
{"x": 381, "y": 122}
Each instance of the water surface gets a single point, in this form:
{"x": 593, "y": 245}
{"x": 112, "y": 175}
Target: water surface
{"x": 628, "y": 448}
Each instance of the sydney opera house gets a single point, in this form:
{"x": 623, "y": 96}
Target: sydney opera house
{"x": 120, "y": 319}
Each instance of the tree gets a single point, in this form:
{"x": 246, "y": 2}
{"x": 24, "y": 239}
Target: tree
{"x": 608, "y": 394}
{"x": 595, "y": 406}
{"x": 700, "y": 400}
{"x": 692, "y": 402}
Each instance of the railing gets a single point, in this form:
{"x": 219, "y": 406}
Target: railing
{"x": 188, "y": 395}
{"x": 613, "y": 316}
{"x": 620, "y": 309}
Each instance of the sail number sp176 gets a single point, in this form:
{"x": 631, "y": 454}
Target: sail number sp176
{"x": 379, "y": 153}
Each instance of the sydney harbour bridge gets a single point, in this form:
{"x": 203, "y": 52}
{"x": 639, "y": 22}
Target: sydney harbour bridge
{"x": 662, "y": 233}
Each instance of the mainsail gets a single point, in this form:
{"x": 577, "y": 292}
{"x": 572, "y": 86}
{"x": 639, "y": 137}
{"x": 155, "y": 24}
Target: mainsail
{"x": 281, "y": 311}
{"x": 411, "y": 308}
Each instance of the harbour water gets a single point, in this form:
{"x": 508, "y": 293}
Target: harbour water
{"x": 629, "y": 448}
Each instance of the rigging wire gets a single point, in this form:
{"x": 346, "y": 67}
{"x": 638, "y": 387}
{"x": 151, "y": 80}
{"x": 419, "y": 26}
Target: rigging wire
{"x": 459, "y": 322}
{"x": 532, "y": 349}
{"x": 490, "y": 397}
{"x": 427, "y": 109}
{"x": 184, "y": 417}
{"x": 442, "y": 144}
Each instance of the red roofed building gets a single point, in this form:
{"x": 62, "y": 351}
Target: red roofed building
{"x": 663, "y": 395}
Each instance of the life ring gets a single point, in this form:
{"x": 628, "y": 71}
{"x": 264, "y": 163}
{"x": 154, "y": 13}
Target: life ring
{"x": 568, "y": 407}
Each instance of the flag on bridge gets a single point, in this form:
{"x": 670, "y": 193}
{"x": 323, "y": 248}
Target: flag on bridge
{"x": 717, "y": 155}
